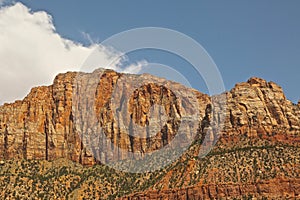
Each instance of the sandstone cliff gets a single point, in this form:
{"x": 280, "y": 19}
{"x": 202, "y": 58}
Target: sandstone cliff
{"x": 44, "y": 126}
{"x": 61, "y": 120}
{"x": 256, "y": 129}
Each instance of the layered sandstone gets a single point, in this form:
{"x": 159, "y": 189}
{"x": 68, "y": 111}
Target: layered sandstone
{"x": 60, "y": 120}
{"x": 91, "y": 118}
{"x": 106, "y": 116}
{"x": 258, "y": 106}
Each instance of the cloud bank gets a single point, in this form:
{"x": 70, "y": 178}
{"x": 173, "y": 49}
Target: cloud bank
{"x": 32, "y": 52}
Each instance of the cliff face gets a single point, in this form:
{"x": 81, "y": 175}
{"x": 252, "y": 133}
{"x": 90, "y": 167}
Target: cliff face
{"x": 63, "y": 120}
{"x": 259, "y": 110}
{"x": 260, "y": 107}
{"x": 257, "y": 153}
{"x": 107, "y": 116}
{"x": 38, "y": 127}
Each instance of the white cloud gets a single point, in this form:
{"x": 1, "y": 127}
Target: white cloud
{"x": 32, "y": 53}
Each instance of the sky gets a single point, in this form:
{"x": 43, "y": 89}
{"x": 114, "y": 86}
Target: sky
{"x": 244, "y": 38}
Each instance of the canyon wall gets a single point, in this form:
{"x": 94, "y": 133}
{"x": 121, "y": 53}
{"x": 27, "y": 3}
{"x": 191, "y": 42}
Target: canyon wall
{"x": 105, "y": 116}
{"x": 61, "y": 120}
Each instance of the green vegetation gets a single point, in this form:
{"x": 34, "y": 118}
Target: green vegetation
{"x": 63, "y": 179}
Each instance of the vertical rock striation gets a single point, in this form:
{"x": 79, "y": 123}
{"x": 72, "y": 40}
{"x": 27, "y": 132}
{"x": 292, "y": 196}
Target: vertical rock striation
{"x": 107, "y": 116}
{"x": 66, "y": 118}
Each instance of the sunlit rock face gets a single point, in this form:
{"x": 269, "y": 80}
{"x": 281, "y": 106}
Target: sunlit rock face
{"x": 100, "y": 116}
{"x": 132, "y": 115}
{"x": 105, "y": 116}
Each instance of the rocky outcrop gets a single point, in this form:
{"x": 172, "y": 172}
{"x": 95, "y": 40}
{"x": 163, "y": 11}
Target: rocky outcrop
{"x": 260, "y": 111}
{"x": 260, "y": 107}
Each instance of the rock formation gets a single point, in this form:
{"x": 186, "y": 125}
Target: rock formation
{"x": 66, "y": 118}
{"x": 105, "y": 116}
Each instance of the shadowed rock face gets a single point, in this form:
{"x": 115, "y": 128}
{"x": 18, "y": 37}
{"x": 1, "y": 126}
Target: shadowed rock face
{"x": 108, "y": 116}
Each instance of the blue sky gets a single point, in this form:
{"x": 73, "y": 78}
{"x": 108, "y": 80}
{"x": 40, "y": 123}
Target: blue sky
{"x": 244, "y": 38}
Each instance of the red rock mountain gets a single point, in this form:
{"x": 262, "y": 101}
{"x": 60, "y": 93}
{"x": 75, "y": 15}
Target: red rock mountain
{"x": 63, "y": 120}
